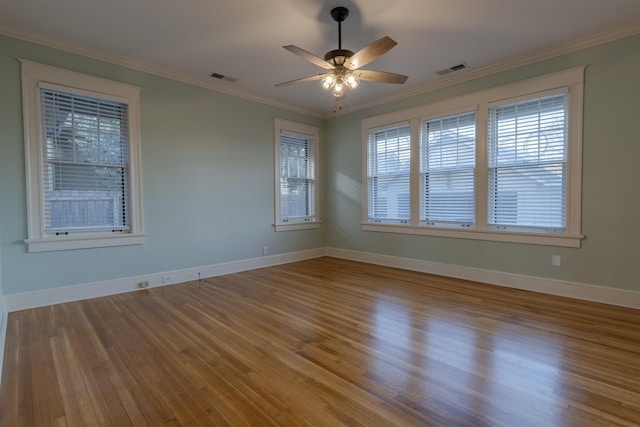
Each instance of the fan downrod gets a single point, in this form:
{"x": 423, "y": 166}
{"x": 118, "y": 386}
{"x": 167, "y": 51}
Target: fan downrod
{"x": 339, "y": 56}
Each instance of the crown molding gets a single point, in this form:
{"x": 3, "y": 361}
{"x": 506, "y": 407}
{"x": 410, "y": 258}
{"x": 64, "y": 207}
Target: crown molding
{"x": 134, "y": 64}
{"x": 541, "y": 55}
{"x": 509, "y": 64}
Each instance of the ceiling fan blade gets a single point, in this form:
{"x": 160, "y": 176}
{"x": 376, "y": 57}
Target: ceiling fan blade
{"x": 381, "y": 76}
{"x": 302, "y": 80}
{"x": 369, "y": 53}
{"x": 310, "y": 57}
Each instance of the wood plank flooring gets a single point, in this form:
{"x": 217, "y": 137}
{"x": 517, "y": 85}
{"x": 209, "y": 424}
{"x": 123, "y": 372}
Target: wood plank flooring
{"x": 323, "y": 342}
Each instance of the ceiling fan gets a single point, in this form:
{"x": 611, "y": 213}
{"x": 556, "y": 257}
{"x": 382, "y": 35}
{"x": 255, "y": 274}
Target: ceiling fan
{"x": 343, "y": 65}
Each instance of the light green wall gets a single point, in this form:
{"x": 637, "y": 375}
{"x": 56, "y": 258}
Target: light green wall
{"x": 610, "y": 252}
{"x": 207, "y": 165}
{"x": 207, "y": 178}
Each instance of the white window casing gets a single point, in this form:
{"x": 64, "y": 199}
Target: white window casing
{"x": 545, "y": 108}
{"x": 296, "y": 154}
{"x": 82, "y": 150}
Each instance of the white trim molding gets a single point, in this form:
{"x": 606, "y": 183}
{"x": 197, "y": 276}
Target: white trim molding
{"x": 568, "y": 82}
{"x": 36, "y": 76}
{"x": 603, "y": 37}
{"x": 286, "y": 130}
{"x": 145, "y": 67}
{"x": 582, "y": 291}
{"x": 587, "y": 42}
{"x": 563, "y": 288}
{"x": 33, "y": 299}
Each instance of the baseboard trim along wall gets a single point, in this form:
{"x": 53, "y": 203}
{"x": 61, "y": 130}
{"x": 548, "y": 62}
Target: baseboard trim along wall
{"x": 582, "y": 291}
{"x": 601, "y": 294}
{"x": 32, "y": 299}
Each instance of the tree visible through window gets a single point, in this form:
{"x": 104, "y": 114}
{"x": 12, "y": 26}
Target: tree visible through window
{"x": 82, "y": 146}
{"x": 85, "y": 164}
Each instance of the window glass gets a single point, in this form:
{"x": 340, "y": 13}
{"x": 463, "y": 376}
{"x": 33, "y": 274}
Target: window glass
{"x": 447, "y": 170}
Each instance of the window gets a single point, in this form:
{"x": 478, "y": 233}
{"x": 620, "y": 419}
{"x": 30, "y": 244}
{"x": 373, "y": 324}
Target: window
{"x": 447, "y": 170}
{"x": 82, "y": 145}
{"x": 527, "y": 164}
{"x": 503, "y": 164}
{"x": 388, "y": 174}
{"x": 296, "y": 184}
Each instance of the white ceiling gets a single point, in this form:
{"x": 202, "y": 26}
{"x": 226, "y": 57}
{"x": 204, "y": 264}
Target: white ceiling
{"x": 243, "y": 39}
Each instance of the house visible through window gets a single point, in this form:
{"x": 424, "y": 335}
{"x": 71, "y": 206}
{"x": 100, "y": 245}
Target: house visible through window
{"x": 503, "y": 164}
{"x": 447, "y": 170}
{"x": 83, "y": 177}
{"x": 527, "y": 164}
{"x": 388, "y": 169}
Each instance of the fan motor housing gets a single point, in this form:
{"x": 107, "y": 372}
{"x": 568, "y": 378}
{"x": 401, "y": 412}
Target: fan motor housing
{"x": 338, "y": 56}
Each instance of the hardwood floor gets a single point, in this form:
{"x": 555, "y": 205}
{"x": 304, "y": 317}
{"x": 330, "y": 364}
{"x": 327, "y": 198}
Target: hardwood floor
{"x": 323, "y": 342}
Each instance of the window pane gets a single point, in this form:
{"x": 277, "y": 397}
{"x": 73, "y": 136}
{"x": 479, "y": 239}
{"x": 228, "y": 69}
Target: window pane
{"x": 294, "y": 198}
{"x": 447, "y": 168}
{"x": 389, "y": 173}
{"x": 296, "y": 177}
{"x": 85, "y": 171}
{"x": 527, "y": 164}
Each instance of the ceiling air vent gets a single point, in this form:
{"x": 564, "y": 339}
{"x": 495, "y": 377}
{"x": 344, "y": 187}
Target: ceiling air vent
{"x": 223, "y": 77}
{"x": 452, "y": 69}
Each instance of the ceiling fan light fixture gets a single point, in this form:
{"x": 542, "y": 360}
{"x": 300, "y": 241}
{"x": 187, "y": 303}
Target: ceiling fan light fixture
{"x": 352, "y": 80}
{"x": 339, "y": 88}
{"x": 328, "y": 81}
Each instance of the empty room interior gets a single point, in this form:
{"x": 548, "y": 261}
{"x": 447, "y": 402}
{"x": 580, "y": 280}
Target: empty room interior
{"x": 299, "y": 212}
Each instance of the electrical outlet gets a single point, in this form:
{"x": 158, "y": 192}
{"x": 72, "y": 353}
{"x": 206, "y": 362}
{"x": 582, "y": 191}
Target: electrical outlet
{"x": 167, "y": 279}
{"x": 555, "y": 260}
{"x": 144, "y": 284}
{"x": 265, "y": 250}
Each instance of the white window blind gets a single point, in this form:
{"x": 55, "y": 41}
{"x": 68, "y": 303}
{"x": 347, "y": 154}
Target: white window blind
{"x": 297, "y": 177}
{"x": 447, "y": 170}
{"x": 85, "y": 163}
{"x": 527, "y": 148}
{"x": 388, "y": 170}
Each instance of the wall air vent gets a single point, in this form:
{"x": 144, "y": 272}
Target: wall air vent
{"x": 458, "y": 67}
{"x": 223, "y": 77}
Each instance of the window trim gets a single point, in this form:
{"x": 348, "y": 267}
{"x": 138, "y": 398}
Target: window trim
{"x": 302, "y": 129}
{"x": 38, "y": 239}
{"x": 572, "y": 79}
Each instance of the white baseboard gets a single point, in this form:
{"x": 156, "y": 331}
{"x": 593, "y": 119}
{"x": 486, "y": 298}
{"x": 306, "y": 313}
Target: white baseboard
{"x": 601, "y": 294}
{"x": 25, "y": 300}
{"x": 583, "y": 291}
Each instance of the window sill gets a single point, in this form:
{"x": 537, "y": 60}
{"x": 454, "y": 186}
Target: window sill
{"x": 564, "y": 240}
{"x": 297, "y": 226}
{"x": 62, "y": 243}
